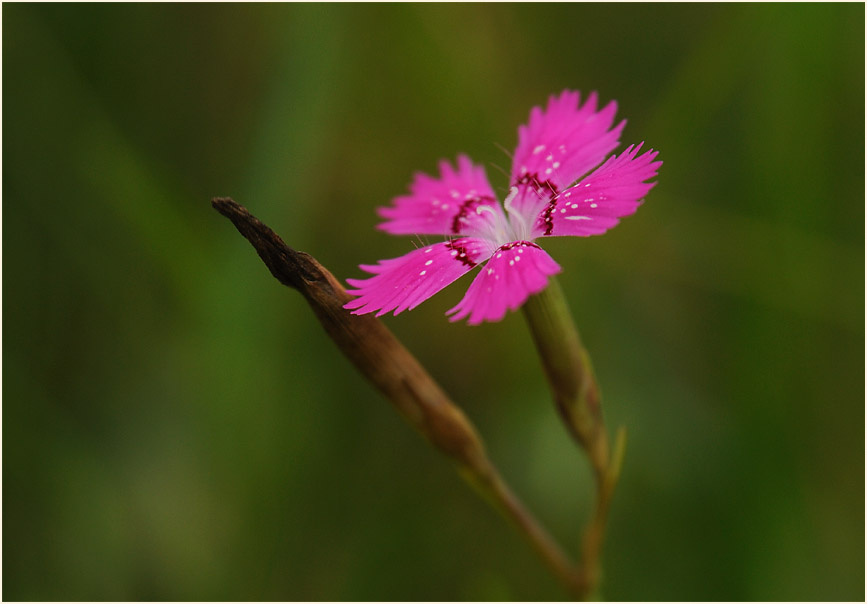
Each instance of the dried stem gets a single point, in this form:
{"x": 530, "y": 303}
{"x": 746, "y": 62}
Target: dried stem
{"x": 383, "y": 360}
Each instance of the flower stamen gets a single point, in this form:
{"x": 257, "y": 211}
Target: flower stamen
{"x": 516, "y": 218}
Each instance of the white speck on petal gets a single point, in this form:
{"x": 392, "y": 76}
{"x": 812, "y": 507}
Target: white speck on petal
{"x": 548, "y": 171}
{"x": 538, "y": 149}
{"x": 578, "y": 218}
{"x": 574, "y": 206}
{"x": 422, "y": 273}
{"x": 592, "y": 205}
{"x": 428, "y": 263}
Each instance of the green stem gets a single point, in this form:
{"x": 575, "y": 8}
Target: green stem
{"x": 495, "y": 490}
{"x": 569, "y": 371}
{"x": 590, "y": 568}
{"x": 570, "y": 375}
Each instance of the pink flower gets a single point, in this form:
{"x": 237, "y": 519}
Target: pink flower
{"x": 559, "y": 145}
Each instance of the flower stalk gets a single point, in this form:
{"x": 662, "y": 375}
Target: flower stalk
{"x": 569, "y": 371}
{"x": 573, "y": 384}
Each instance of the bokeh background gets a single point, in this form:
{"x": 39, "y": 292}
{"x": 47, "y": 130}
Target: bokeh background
{"x": 176, "y": 426}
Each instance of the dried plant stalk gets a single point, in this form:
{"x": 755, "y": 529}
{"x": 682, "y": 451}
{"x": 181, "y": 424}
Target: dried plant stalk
{"x": 392, "y": 369}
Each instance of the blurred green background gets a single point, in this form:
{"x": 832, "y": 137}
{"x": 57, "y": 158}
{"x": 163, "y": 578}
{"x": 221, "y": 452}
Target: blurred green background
{"x": 176, "y": 426}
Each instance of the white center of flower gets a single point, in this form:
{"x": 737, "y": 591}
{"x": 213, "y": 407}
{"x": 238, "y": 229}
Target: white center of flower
{"x": 502, "y": 228}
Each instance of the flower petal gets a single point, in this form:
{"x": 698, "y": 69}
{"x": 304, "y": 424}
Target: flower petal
{"x": 403, "y": 283}
{"x": 559, "y": 145}
{"x": 595, "y": 204}
{"x": 514, "y": 272}
{"x": 448, "y": 205}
